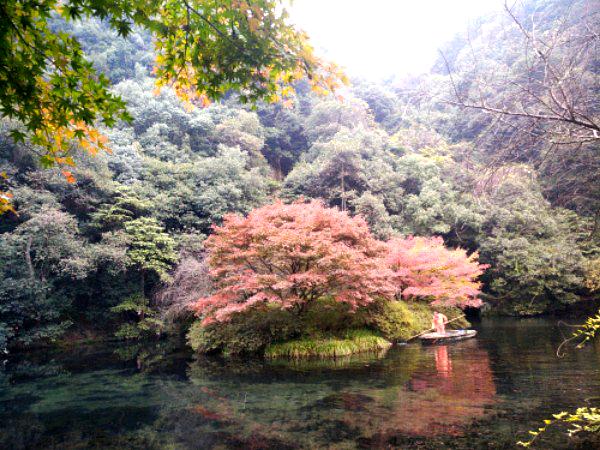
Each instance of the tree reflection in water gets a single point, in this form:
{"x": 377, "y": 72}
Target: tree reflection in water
{"x": 412, "y": 397}
{"x": 442, "y": 397}
{"x": 443, "y": 364}
{"x": 411, "y": 392}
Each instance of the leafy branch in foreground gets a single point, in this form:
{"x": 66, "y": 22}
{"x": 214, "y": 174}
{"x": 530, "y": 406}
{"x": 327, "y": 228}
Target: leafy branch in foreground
{"x": 586, "y": 332}
{"x": 585, "y": 418}
{"x": 205, "y": 48}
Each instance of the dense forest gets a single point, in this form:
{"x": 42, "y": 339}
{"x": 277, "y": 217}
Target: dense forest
{"x": 116, "y": 244}
{"x": 211, "y": 237}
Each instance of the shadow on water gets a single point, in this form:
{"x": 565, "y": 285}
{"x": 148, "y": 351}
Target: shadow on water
{"x": 482, "y": 393}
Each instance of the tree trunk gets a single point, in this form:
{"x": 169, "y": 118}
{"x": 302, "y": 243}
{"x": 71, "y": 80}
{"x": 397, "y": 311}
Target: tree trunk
{"x": 28, "y": 257}
{"x": 142, "y": 283}
{"x": 343, "y": 188}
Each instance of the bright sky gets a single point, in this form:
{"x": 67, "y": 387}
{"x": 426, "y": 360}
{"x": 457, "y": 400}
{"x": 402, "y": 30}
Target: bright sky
{"x": 376, "y": 39}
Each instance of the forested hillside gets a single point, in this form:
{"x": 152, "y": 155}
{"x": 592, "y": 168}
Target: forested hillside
{"x": 117, "y": 246}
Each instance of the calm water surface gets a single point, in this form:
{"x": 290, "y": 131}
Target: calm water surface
{"x": 482, "y": 393}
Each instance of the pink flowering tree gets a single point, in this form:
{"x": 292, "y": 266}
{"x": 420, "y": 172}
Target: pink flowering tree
{"x": 423, "y": 267}
{"x": 291, "y": 255}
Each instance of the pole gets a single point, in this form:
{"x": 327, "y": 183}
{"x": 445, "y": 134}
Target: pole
{"x": 429, "y": 329}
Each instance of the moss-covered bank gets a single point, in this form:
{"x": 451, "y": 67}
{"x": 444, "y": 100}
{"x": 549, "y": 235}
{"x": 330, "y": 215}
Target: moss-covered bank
{"x": 353, "y": 342}
{"x": 325, "y": 329}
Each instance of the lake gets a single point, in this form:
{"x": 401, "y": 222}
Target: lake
{"x": 482, "y": 393}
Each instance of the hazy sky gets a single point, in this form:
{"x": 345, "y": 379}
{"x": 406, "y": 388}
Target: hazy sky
{"x": 379, "y": 38}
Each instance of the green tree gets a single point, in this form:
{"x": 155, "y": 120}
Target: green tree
{"x": 39, "y": 262}
{"x": 194, "y": 196}
{"x": 535, "y": 251}
{"x": 342, "y": 168}
{"x": 245, "y": 131}
{"x": 150, "y": 249}
{"x": 146, "y": 320}
{"x": 124, "y": 207}
{"x": 285, "y": 136}
{"x": 203, "y": 49}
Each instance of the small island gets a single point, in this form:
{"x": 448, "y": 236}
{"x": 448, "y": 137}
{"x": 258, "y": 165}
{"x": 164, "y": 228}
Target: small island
{"x": 301, "y": 279}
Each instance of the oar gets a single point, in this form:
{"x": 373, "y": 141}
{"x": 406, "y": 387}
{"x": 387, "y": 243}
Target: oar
{"x": 429, "y": 329}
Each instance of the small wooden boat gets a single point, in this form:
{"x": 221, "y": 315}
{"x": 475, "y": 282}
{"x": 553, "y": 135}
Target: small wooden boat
{"x": 448, "y": 336}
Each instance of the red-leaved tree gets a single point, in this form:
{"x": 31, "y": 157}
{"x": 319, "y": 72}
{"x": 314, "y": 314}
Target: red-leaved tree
{"x": 292, "y": 254}
{"x": 423, "y": 267}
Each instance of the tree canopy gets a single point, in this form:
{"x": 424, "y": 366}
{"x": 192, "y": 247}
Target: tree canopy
{"x": 204, "y": 49}
{"x": 293, "y": 255}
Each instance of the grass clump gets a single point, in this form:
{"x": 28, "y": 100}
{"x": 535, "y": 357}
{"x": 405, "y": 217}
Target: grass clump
{"x": 354, "y": 341}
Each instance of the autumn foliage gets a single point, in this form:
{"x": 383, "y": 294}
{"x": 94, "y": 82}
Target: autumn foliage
{"x": 424, "y": 267}
{"x": 293, "y": 254}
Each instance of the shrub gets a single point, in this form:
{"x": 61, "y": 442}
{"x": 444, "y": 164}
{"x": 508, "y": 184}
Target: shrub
{"x": 329, "y": 316}
{"x": 247, "y": 332}
{"x": 422, "y": 313}
{"x": 394, "y": 320}
{"x": 398, "y": 321}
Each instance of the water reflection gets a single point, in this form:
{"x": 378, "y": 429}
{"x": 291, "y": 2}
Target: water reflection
{"x": 441, "y": 397}
{"x": 413, "y": 391}
{"x": 443, "y": 364}
{"x": 473, "y": 393}
{"x": 455, "y": 392}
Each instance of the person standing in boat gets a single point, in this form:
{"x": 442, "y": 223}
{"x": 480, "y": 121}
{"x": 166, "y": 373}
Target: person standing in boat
{"x": 439, "y": 322}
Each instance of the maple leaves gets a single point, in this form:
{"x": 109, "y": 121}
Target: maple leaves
{"x": 293, "y": 254}
{"x": 423, "y": 267}
{"x": 204, "y": 49}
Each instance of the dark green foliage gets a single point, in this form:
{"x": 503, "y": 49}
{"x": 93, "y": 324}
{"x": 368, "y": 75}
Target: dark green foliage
{"x": 327, "y": 316}
{"x": 285, "y": 137}
{"x": 245, "y": 333}
{"x": 142, "y": 319}
{"x": 407, "y": 164}
{"x": 251, "y": 332}
{"x": 536, "y": 255}
{"x": 383, "y": 104}
{"x": 39, "y": 263}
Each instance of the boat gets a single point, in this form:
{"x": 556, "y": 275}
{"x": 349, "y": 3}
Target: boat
{"x": 448, "y": 336}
